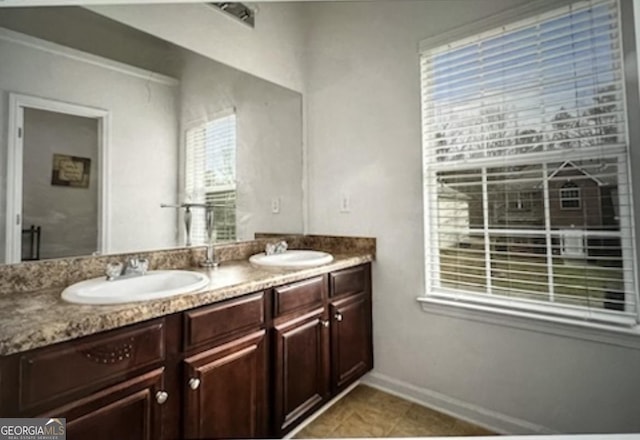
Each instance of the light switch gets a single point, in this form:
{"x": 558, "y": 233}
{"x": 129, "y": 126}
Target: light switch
{"x": 275, "y": 205}
{"x": 345, "y": 203}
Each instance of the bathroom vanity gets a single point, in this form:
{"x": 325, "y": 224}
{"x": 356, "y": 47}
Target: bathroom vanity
{"x": 252, "y": 359}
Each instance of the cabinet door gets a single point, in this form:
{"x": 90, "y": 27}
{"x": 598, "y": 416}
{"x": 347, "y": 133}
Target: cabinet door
{"x": 130, "y": 410}
{"x": 351, "y": 351}
{"x": 301, "y": 368}
{"x": 225, "y": 390}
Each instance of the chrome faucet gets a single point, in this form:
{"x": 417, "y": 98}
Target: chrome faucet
{"x": 276, "y": 248}
{"x": 211, "y": 260}
{"x": 133, "y": 267}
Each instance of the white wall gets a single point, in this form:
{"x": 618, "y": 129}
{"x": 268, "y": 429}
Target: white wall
{"x": 273, "y": 50}
{"x": 68, "y": 216}
{"x": 364, "y": 139}
{"x": 143, "y": 136}
{"x": 269, "y": 141}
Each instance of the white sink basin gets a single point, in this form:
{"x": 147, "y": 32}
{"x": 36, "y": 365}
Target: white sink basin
{"x": 154, "y": 284}
{"x": 292, "y": 258}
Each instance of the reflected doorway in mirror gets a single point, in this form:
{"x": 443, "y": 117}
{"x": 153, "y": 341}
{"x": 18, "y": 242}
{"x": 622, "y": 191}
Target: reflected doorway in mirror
{"x": 32, "y": 123}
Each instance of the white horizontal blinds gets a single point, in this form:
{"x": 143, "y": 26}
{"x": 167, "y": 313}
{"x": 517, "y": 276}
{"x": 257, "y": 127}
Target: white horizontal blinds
{"x": 550, "y": 83}
{"x": 525, "y": 165}
{"x": 224, "y": 213}
{"x": 195, "y": 163}
{"x": 211, "y": 176}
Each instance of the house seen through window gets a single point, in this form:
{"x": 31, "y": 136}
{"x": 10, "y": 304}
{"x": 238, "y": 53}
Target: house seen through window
{"x": 527, "y": 198}
{"x": 210, "y": 177}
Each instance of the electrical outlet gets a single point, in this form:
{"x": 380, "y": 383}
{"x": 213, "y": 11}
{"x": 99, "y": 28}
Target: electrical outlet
{"x": 345, "y": 203}
{"x": 275, "y": 205}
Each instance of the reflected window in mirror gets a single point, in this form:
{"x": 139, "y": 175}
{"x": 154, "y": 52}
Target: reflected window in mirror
{"x": 211, "y": 176}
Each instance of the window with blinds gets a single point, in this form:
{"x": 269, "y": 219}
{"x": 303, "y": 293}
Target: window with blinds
{"x": 527, "y": 192}
{"x": 210, "y": 177}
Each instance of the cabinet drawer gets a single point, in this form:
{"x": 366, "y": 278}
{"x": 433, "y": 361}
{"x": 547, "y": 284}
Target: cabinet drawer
{"x": 127, "y": 410}
{"x": 59, "y": 371}
{"x": 221, "y": 321}
{"x": 298, "y": 296}
{"x": 348, "y": 281}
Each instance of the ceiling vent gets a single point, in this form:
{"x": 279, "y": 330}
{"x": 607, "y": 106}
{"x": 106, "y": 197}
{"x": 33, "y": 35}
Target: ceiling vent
{"x": 239, "y": 11}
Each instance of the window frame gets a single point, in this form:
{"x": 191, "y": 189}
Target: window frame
{"x": 564, "y": 198}
{"x": 523, "y": 201}
{"x": 439, "y": 300}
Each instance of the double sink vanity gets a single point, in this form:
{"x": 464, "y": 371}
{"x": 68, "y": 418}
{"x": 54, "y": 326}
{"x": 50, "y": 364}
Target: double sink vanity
{"x": 246, "y": 350}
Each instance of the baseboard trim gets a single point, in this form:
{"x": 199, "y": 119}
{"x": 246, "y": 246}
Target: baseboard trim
{"x": 494, "y": 421}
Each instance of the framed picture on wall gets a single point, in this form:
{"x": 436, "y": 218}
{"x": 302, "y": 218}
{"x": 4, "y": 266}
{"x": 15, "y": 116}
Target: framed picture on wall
{"x": 71, "y": 171}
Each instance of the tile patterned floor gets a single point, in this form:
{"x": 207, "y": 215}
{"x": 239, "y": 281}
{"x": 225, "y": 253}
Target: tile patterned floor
{"x": 367, "y": 412}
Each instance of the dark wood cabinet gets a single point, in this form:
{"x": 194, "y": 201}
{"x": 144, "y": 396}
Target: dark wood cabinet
{"x": 254, "y": 366}
{"x": 351, "y": 326}
{"x": 322, "y": 333}
{"x": 131, "y": 410}
{"x": 351, "y": 350}
{"x": 225, "y": 390}
{"x": 300, "y": 296}
{"x": 223, "y": 321}
{"x": 301, "y": 368}
{"x": 59, "y": 373}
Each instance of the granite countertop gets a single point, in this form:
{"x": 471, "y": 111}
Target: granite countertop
{"x": 35, "y": 319}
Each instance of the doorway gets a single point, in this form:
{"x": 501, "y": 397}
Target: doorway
{"x": 56, "y": 192}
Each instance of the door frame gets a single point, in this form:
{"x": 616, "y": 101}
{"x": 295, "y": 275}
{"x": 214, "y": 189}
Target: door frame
{"x": 17, "y": 104}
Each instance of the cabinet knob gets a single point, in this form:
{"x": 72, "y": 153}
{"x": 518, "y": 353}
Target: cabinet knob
{"x": 161, "y": 397}
{"x": 325, "y": 323}
{"x": 194, "y": 383}
{"x": 338, "y": 316}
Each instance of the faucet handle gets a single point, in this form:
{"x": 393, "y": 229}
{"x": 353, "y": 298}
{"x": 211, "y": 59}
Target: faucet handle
{"x": 270, "y": 249}
{"x": 143, "y": 265}
{"x": 113, "y": 271}
{"x": 276, "y": 248}
{"x": 138, "y": 265}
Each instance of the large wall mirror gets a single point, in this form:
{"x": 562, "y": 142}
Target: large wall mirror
{"x": 102, "y": 125}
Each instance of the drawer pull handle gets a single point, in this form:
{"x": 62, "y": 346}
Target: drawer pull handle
{"x": 339, "y": 316}
{"x": 194, "y": 383}
{"x": 325, "y": 323}
{"x": 161, "y": 397}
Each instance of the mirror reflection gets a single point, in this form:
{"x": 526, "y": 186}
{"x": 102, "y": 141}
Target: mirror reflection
{"x": 102, "y": 125}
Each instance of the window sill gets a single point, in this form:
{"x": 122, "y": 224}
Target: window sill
{"x": 628, "y": 337}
